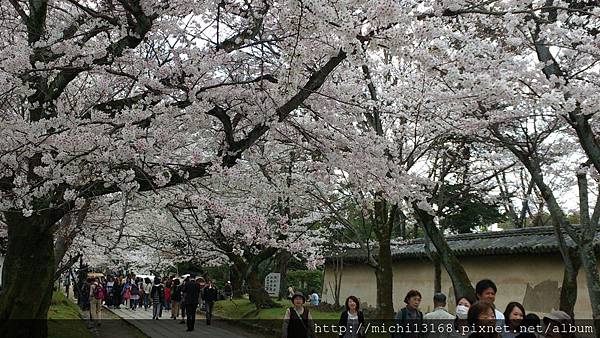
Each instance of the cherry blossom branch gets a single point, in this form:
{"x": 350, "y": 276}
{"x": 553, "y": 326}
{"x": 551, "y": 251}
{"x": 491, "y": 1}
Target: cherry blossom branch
{"x": 20, "y": 11}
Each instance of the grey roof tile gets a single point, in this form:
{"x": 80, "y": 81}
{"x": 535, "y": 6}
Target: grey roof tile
{"x": 534, "y": 240}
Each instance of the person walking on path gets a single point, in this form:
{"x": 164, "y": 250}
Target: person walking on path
{"x": 410, "y": 315}
{"x": 97, "y": 295}
{"x": 176, "y": 298}
{"x": 157, "y": 294}
{"x": 482, "y": 320}
{"x": 127, "y": 294}
{"x": 135, "y": 293}
{"x": 84, "y": 294}
{"x": 314, "y": 298}
{"x": 439, "y": 312}
{"x": 352, "y": 319}
{"x": 67, "y": 283}
{"x": 461, "y": 326}
{"x": 110, "y": 298}
{"x": 486, "y": 292}
{"x": 228, "y": 291}
{"x": 191, "y": 293}
{"x": 167, "y": 304}
{"x": 117, "y": 289}
{"x": 514, "y": 315}
{"x": 182, "y": 304}
{"x": 147, "y": 289}
{"x": 297, "y": 321}
{"x": 210, "y": 296}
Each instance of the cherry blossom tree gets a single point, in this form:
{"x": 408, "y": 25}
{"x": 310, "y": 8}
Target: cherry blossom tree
{"x": 99, "y": 97}
{"x": 535, "y": 59}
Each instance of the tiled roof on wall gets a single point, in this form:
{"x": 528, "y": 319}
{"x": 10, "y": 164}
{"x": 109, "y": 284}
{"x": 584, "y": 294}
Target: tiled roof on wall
{"x": 534, "y": 240}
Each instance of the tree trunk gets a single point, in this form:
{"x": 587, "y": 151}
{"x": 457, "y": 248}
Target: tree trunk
{"x": 590, "y": 266}
{"x": 257, "y": 293}
{"x": 27, "y": 277}
{"x": 338, "y": 270}
{"x": 384, "y": 277}
{"x": 437, "y": 269}
{"x": 585, "y": 241}
{"x": 458, "y": 275}
{"x": 284, "y": 259}
{"x": 568, "y": 295}
{"x": 437, "y": 287}
{"x": 237, "y": 280}
{"x": 568, "y": 291}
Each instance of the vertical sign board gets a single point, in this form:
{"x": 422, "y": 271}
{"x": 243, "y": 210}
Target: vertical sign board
{"x": 272, "y": 283}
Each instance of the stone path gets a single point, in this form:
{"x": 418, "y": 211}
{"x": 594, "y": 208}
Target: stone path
{"x": 113, "y": 327}
{"x": 169, "y": 328}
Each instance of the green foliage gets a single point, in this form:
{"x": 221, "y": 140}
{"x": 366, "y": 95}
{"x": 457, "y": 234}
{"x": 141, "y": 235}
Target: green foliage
{"x": 306, "y": 280}
{"x": 217, "y": 274}
{"x": 466, "y": 210}
{"x": 243, "y": 308}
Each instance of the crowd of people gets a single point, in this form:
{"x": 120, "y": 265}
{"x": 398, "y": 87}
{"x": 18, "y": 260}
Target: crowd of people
{"x": 473, "y": 318}
{"x": 181, "y": 297}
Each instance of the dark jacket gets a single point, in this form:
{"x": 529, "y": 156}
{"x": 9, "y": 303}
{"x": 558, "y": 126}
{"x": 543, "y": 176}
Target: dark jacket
{"x": 176, "y": 293}
{"x": 209, "y": 294}
{"x": 344, "y": 321}
{"x": 191, "y": 291}
{"x": 160, "y": 289}
{"x": 403, "y": 321}
{"x": 299, "y": 327}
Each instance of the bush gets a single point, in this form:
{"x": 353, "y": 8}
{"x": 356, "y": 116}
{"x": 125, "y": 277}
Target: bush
{"x": 306, "y": 280}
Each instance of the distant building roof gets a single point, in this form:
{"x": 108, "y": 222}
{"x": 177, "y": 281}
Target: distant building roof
{"x": 534, "y": 240}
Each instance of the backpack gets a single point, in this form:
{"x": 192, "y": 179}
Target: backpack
{"x": 99, "y": 292}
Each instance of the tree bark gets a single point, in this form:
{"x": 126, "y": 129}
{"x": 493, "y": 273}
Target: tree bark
{"x": 585, "y": 241}
{"x": 458, "y": 275}
{"x": 437, "y": 286}
{"x": 385, "y": 280}
{"x": 284, "y": 259}
{"x": 338, "y": 271}
{"x": 568, "y": 295}
{"x": 257, "y": 293}
{"x": 568, "y": 291}
{"x": 27, "y": 277}
{"x": 383, "y": 221}
{"x": 237, "y": 280}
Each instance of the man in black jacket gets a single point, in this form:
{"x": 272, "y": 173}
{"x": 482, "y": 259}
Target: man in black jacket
{"x": 191, "y": 291}
{"x": 209, "y": 295}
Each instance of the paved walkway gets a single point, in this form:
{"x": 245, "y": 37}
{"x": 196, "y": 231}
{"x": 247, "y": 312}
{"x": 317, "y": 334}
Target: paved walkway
{"x": 170, "y": 328}
{"x": 112, "y": 327}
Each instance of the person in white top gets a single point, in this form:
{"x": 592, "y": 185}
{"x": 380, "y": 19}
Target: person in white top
{"x": 439, "y": 312}
{"x": 486, "y": 292}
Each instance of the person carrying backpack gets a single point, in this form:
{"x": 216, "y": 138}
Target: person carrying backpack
{"x": 97, "y": 295}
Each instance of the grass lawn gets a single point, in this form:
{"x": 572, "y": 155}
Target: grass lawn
{"x": 243, "y": 309}
{"x": 64, "y": 320}
{"x": 244, "y": 312}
